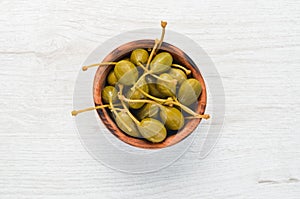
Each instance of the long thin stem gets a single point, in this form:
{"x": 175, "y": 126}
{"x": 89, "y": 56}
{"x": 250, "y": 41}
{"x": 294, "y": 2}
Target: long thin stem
{"x": 188, "y": 110}
{"x": 142, "y": 66}
{"x": 174, "y": 81}
{"x": 75, "y": 112}
{"x": 156, "y": 76}
{"x": 122, "y": 97}
{"x": 146, "y": 72}
{"x": 163, "y": 31}
{"x": 183, "y": 107}
{"x": 152, "y": 53}
{"x": 112, "y": 108}
{"x": 195, "y": 115}
{"x": 204, "y": 116}
{"x": 154, "y": 98}
{"x": 118, "y": 104}
{"x": 116, "y": 114}
{"x": 140, "y": 79}
{"x": 84, "y": 68}
{"x": 187, "y": 71}
{"x": 126, "y": 108}
{"x": 143, "y": 101}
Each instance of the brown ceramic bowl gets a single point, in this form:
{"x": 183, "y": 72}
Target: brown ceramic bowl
{"x": 179, "y": 57}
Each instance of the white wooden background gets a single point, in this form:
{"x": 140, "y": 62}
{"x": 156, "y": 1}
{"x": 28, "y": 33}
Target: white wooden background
{"x": 255, "y": 46}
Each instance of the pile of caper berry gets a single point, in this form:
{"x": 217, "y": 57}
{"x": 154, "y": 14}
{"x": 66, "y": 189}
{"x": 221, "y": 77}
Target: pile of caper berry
{"x": 151, "y": 100}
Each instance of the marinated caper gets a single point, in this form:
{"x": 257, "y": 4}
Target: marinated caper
{"x": 126, "y": 124}
{"x": 111, "y": 78}
{"x": 133, "y": 95}
{"x": 189, "y": 91}
{"x": 151, "y": 81}
{"x": 155, "y": 87}
{"x": 143, "y": 85}
{"x": 126, "y": 72}
{"x": 153, "y": 91}
{"x": 109, "y": 93}
{"x": 137, "y": 95}
{"x": 177, "y": 74}
{"x": 172, "y": 118}
{"x": 161, "y": 63}
{"x": 167, "y": 89}
{"x": 152, "y": 130}
{"x": 148, "y": 110}
{"x": 139, "y": 56}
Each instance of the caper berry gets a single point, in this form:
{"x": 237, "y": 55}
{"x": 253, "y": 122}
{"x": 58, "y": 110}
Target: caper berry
{"x": 126, "y": 124}
{"x": 151, "y": 92}
{"x": 135, "y": 95}
{"x": 139, "y": 56}
{"x": 143, "y": 85}
{"x": 126, "y": 72}
{"x": 148, "y": 110}
{"x": 172, "y": 118}
{"x": 152, "y": 87}
{"x": 177, "y": 74}
{"x": 166, "y": 88}
{"x": 189, "y": 91}
{"x": 111, "y": 78}
{"x": 161, "y": 63}
{"x": 109, "y": 93}
{"x": 153, "y": 130}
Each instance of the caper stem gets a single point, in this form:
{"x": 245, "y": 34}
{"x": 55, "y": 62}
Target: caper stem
{"x": 75, "y": 112}
{"x": 174, "y": 81}
{"x": 125, "y": 107}
{"x": 140, "y": 79}
{"x": 156, "y": 76}
{"x": 142, "y": 66}
{"x": 140, "y": 100}
{"x": 137, "y": 100}
{"x": 153, "y": 75}
{"x": 152, "y": 53}
{"x": 185, "y": 108}
{"x": 163, "y": 31}
{"x": 84, "y": 68}
{"x": 187, "y": 71}
{"x": 195, "y": 115}
{"x": 147, "y": 65}
{"x": 113, "y": 109}
{"x": 154, "y": 98}
{"x": 204, "y": 116}
{"x": 188, "y": 110}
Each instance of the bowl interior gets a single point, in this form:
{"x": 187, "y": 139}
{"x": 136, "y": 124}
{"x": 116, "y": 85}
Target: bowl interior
{"x": 179, "y": 57}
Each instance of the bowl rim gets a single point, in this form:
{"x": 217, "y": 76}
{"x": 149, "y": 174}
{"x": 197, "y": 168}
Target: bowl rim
{"x": 100, "y": 81}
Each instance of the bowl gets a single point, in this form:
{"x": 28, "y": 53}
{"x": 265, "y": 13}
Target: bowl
{"x": 179, "y": 57}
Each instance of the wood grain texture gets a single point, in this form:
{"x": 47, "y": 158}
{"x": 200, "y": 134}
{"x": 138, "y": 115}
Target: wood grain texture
{"x": 255, "y": 46}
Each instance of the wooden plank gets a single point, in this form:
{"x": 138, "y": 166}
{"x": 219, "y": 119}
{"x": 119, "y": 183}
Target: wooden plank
{"x": 255, "y": 46}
